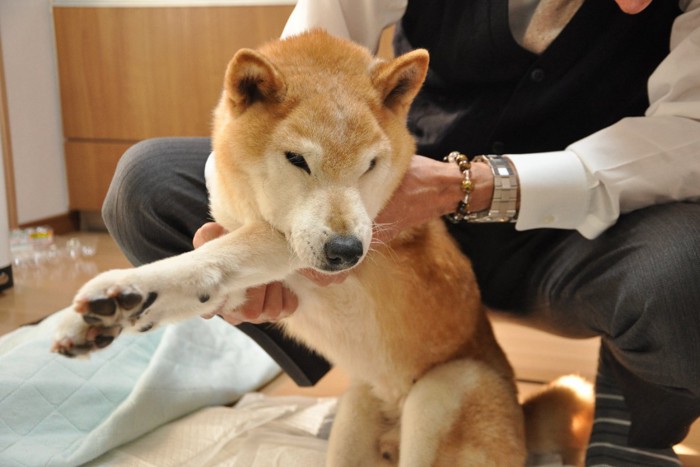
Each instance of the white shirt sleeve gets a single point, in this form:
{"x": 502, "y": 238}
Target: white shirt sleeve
{"x": 359, "y": 20}
{"x": 632, "y": 164}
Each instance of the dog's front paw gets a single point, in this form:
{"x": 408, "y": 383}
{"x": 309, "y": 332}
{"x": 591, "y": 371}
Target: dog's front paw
{"x": 120, "y": 306}
{"x": 101, "y": 310}
{"x": 74, "y": 337}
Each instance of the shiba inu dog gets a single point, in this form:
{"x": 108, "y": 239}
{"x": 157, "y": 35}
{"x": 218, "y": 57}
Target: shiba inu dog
{"x": 310, "y": 143}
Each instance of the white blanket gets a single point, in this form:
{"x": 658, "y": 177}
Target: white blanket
{"x": 259, "y": 431}
{"x": 56, "y": 411}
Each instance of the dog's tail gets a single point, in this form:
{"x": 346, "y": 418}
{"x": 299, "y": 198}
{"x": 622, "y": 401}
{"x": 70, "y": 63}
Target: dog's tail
{"x": 558, "y": 421}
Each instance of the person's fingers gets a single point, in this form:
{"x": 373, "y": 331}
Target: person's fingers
{"x": 273, "y": 304}
{"x": 266, "y": 303}
{"x": 269, "y": 302}
{"x": 290, "y": 302}
{"x": 232, "y": 318}
{"x": 253, "y": 306}
{"x": 206, "y": 233}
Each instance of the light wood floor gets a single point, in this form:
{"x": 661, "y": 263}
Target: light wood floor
{"x": 537, "y": 357}
{"x": 39, "y": 291}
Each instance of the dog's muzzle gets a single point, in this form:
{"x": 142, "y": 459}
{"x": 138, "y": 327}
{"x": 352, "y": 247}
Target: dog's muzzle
{"x": 342, "y": 252}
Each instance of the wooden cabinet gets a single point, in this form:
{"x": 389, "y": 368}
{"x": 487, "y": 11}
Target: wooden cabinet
{"x": 128, "y": 74}
{"x": 90, "y": 166}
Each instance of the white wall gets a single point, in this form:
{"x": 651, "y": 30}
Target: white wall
{"x": 4, "y": 220}
{"x": 31, "y": 81}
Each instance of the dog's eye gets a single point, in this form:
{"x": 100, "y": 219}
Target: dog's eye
{"x": 372, "y": 164}
{"x": 297, "y": 160}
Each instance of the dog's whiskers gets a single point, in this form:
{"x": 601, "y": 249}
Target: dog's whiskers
{"x": 377, "y": 241}
{"x": 377, "y": 230}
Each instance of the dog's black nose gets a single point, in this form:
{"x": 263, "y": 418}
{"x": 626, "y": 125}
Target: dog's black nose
{"x": 342, "y": 252}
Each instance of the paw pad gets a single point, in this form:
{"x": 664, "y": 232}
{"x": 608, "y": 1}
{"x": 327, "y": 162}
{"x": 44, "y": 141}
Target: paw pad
{"x": 102, "y": 307}
{"x": 103, "y": 340}
{"x": 129, "y": 300}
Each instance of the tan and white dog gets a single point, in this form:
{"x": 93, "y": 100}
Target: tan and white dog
{"x": 310, "y": 143}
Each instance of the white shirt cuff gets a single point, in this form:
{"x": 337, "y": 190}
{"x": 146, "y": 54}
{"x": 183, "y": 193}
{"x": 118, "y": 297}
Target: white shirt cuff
{"x": 554, "y": 190}
{"x": 209, "y": 169}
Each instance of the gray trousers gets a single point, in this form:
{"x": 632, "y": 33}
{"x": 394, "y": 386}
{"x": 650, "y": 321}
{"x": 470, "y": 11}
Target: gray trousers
{"x": 637, "y": 285}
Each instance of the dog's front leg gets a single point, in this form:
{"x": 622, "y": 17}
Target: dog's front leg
{"x": 362, "y": 433}
{"x": 204, "y": 281}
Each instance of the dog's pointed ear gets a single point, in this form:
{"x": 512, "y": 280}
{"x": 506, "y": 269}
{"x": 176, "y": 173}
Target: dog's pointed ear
{"x": 252, "y": 78}
{"x": 399, "y": 80}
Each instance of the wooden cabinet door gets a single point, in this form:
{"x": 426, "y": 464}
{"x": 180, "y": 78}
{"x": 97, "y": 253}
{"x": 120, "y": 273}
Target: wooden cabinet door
{"x": 136, "y": 73}
{"x": 127, "y": 74}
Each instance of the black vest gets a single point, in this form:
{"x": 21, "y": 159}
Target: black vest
{"x": 486, "y": 94}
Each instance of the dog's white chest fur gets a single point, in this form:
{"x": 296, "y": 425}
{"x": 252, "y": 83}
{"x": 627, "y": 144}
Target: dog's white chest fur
{"x": 340, "y": 322}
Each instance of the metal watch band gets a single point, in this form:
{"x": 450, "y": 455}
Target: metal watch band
{"x": 504, "y": 206}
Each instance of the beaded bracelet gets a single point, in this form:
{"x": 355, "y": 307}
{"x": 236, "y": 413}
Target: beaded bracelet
{"x": 504, "y": 200}
{"x": 462, "y": 161}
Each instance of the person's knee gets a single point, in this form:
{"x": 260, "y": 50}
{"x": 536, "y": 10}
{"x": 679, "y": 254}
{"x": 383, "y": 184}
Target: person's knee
{"x": 656, "y": 324}
{"x": 132, "y": 208}
{"x": 127, "y": 192}
{"x": 158, "y": 198}
{"x": 660, "y": 268}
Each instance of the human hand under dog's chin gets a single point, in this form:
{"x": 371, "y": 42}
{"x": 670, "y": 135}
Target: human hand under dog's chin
{"x": 266, "y": 303}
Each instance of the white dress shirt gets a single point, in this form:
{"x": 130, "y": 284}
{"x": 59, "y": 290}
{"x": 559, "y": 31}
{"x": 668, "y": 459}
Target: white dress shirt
{"x": 637, "y": 162}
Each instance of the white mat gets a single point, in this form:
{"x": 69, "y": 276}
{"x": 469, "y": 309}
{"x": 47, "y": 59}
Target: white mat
{"x": 259, "y": 432}
{"x": 56, "y": 411}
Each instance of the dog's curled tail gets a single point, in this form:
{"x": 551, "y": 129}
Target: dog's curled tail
{"x": 558, "y": 421}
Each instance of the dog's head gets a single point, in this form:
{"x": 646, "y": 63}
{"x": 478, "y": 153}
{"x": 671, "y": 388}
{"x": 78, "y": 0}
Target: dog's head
{"x": 310, "y": 136}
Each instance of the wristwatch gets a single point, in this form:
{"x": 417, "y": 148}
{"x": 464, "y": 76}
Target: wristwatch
{"x": 504, "y": 204}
